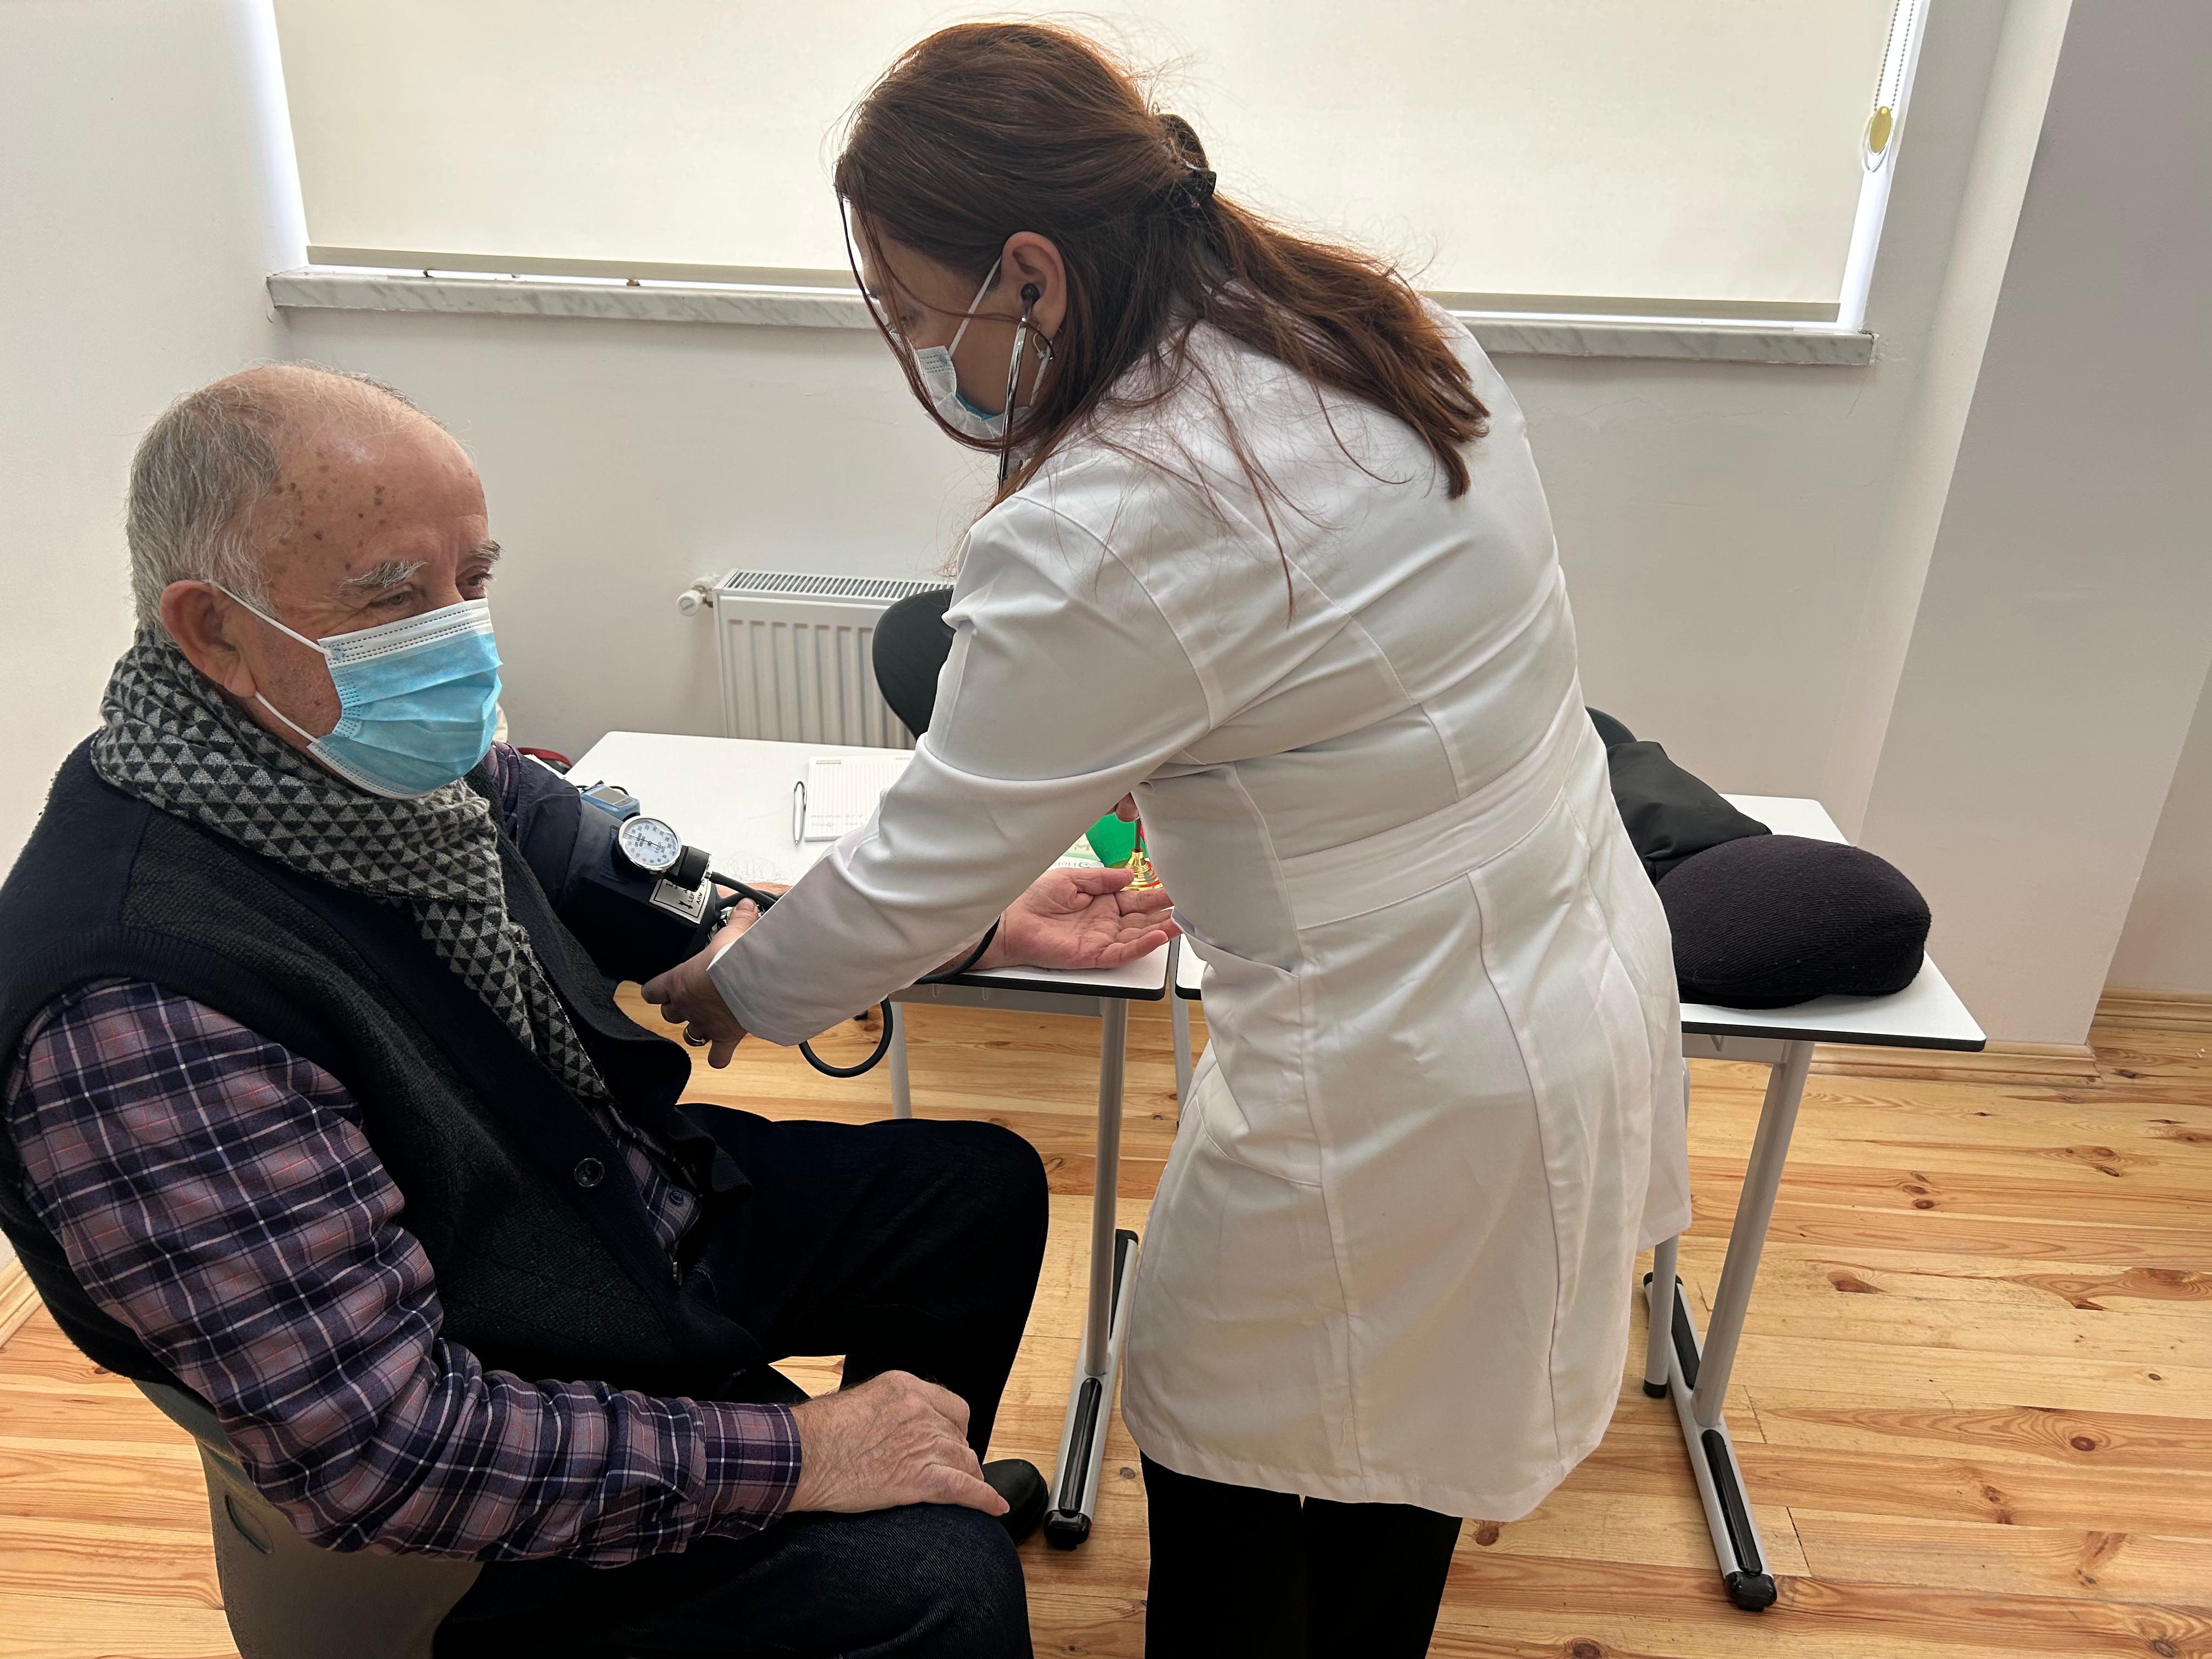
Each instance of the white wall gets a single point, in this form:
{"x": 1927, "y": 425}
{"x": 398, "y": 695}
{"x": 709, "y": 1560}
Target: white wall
{"x": 2064, "y": 632}
{"x": 1981, "y": 235}
{"x": 143, "y": 189}
{"x": 2168, "y": 943}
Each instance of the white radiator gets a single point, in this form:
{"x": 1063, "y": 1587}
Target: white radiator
{"x": 795, "y": 660}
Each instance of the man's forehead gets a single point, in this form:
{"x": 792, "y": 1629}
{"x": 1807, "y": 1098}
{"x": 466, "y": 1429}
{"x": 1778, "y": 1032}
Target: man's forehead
{"x": 358, "y": 509}
{"x": 369, "y": 445}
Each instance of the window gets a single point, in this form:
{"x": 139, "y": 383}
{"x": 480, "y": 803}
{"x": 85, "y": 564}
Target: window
{"x": 1711, "y": 159}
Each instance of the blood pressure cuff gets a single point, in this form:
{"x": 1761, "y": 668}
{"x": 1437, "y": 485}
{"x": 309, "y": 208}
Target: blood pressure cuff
{"x": 633, "y": 926}
{"x": 1763, "y": 921}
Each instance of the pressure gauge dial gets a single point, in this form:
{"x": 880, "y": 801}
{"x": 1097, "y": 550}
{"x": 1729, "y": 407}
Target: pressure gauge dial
{"x": 648, "y": 845}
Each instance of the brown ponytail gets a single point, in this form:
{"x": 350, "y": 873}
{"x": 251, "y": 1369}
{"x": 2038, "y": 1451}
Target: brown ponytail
{"x": 986, "y": 128}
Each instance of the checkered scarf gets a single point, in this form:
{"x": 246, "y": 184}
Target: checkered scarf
{"x": 174, "y": 741}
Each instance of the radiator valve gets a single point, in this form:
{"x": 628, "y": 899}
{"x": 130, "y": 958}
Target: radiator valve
{"x": 695, "y": 597}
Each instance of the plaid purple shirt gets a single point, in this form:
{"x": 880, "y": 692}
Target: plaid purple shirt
{"x": 215, "y": 1195}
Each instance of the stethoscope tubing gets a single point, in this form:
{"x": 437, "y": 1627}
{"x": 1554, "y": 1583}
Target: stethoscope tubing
{"x": 762, "y": 901}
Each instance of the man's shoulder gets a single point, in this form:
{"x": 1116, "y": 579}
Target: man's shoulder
{"x": 95, "y": 849}
{"x": 109, "y": 888}
{"x": 82, "y": 846}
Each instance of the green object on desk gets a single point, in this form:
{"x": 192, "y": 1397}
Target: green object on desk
{"x": 1113, "y": 840}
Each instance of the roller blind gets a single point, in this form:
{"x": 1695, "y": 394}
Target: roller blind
{"x": 1706, "y": 157}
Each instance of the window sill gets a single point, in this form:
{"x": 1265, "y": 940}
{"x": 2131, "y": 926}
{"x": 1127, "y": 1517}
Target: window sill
{"x": 800, "y": 307}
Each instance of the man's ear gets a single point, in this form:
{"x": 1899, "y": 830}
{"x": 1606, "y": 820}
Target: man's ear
{"x": 200, "y": 617}
{"x": 1034, "y": 258}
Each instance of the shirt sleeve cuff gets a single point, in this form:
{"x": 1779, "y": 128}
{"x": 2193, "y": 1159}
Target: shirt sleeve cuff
{"x": 752, "y": 1462}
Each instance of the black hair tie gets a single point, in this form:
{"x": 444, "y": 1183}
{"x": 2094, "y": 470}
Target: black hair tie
{"x": 1188, "y": 198}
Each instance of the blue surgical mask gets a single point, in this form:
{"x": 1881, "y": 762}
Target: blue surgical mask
{"x": 942, "y": 381}
{"x": 418, "y": 699}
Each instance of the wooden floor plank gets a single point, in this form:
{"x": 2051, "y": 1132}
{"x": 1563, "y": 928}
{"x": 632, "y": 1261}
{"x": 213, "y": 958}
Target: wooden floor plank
{"x": 2009, "y": 1560}
{"x": 1532, "y": 1597}
{"x": 17, "y": 1298}
{"x": 1843, "y": 1419}
{"x": 83, "y": 1626}
{"x": 1976, "y": 1427}
{"x": 1888, "y": 1476}
{"x": 55, "y": 1555}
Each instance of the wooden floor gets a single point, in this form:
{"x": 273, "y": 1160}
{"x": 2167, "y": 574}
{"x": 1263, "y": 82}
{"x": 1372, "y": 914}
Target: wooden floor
{"x": 1973, "y": 1404}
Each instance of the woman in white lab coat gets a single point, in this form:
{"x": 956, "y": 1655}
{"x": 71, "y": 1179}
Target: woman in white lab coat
{"x": 1272, "y": 554}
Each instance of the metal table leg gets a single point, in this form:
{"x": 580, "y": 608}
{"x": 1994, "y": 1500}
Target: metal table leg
{"x": 1074, "y": 1492}
{"x": 1179, "y": 1019}
{"x": 901, "y": 1087}
{"x": 1113, "y": 1256}
{"x": 1655, "y": 1374}
{"x": 1697, "y": 1376}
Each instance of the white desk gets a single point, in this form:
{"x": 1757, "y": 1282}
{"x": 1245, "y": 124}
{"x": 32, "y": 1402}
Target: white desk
{"x": 1926, "y": 1014}
{"x": 733, "y": 796}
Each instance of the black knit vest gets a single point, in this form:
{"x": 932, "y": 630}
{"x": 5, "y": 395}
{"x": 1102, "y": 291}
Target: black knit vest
{"x": 545, "y": 1259}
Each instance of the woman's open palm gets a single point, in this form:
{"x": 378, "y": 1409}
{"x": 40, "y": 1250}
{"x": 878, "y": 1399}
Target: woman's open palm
{"x": 1083, "y": 919}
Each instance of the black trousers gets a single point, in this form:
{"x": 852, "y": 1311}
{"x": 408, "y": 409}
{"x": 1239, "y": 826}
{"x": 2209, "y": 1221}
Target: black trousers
{"x": 1239, "y": 1573}
{"x": 909, "y": 1246}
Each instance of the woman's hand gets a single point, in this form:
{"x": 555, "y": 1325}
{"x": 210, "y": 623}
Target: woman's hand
{"x": 1082, "y": 919}
{"x": 686, "y": 995}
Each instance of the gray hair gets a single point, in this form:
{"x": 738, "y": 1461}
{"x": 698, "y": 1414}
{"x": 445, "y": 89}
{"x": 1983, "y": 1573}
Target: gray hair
{"x": 206, "y": 463}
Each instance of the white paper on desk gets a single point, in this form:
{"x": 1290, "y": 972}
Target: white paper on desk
{"x": 841, "y": 790}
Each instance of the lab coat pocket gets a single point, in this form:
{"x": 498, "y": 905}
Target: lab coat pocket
{"x": 1255, "y": 1111}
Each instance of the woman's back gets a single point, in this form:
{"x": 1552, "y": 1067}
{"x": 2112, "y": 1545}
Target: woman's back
{"x": 1371, "y": 650}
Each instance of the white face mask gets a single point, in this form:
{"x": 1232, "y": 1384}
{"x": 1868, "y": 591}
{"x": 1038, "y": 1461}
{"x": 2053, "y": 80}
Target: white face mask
{"x": 942, "y": 381}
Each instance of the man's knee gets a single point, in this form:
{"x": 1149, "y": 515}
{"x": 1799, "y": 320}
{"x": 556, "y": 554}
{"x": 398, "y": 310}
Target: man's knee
{"x": 1015, "y": 1171}
{"x": 935, "y": 1582}
{"x": 999, "y": 1172}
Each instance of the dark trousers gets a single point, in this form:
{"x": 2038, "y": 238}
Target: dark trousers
{"x": 912, "y": 1246}
{"x": 1238, "y": 1573}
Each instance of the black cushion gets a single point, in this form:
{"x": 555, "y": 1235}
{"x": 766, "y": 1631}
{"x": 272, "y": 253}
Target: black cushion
{"x": 1671, "y": 816}
{"x": 1763, "y": 921}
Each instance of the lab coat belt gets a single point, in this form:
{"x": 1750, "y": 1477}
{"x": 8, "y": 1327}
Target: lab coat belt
{"x": 1377, "y": 871}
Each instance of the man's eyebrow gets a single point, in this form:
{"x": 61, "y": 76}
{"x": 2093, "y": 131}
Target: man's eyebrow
{"x": 487, "y": 551}
{"x": 390, "y": 573}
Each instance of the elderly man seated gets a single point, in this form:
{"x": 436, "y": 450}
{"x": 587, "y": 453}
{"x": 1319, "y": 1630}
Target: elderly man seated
{"x": 313, "y": 1106}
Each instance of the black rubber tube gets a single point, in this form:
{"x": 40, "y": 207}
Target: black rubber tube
{"x": 762, "y": 901}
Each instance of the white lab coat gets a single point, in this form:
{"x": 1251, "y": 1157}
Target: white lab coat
{"x": 1442, "y": 1106}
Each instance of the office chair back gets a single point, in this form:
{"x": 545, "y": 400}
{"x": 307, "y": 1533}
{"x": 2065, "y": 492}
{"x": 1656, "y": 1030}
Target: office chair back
{"x": 288, "y": 1599}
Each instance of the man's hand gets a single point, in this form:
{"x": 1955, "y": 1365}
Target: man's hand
{"x": 1082, "y": 919}
{"x": 687, "y": 997}
{"x": 890, "y": 1441}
